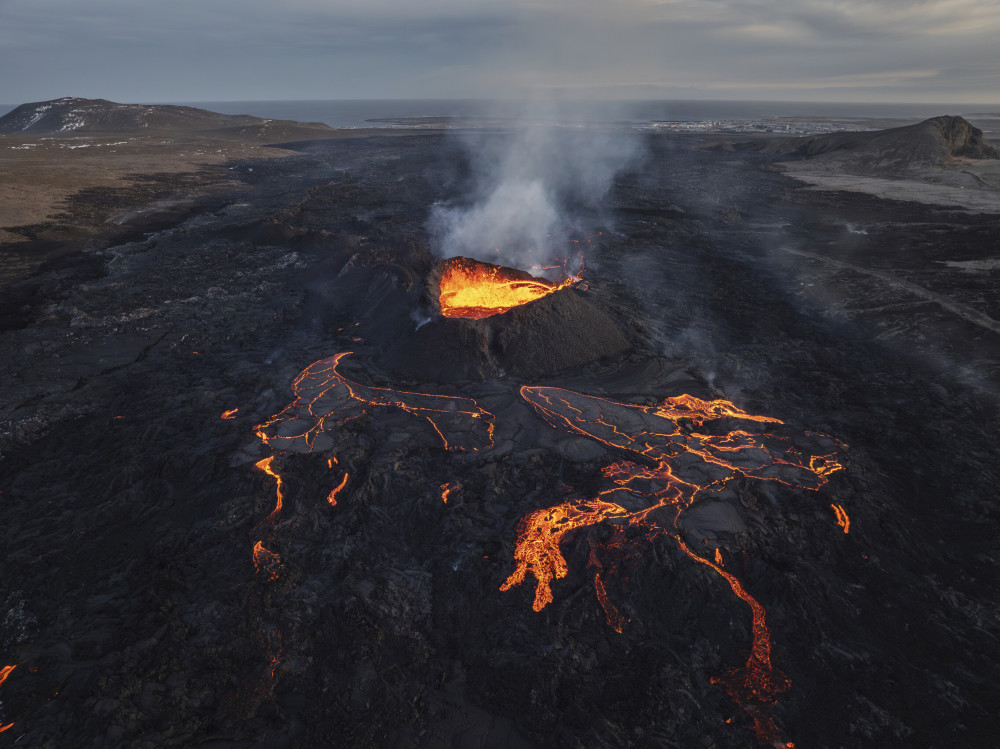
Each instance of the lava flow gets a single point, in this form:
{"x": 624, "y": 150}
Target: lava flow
{"x": 447, "y": 488}
{"x": 326, "y": 400}
{"x": 475, "y": 290}
{"x": 331, "y": 498}
{"x": 265, "y": 466}
{"x": 843, "y": 520}
{"x": 673, "y": 468}
{"x": 539, "y": 537}
{"x": 4, "y": 673}
{"x": 266, "y": 562}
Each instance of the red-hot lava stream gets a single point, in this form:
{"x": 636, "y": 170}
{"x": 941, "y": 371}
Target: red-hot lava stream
{"x": 662, "y": 471}
{"x": 325, "y": 400}
{"x": 843, "y": 520}
{"x": 679, "y": 466}
{"x": 4, "y": 673}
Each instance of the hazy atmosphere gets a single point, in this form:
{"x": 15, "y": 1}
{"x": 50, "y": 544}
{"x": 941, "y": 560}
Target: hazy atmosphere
{"x": 224, "y": 50}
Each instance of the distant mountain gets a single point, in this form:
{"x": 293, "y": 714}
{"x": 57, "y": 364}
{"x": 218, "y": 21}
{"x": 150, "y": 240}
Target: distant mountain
{"x": 73, "y": 115}
{"x": 938, "y": 141}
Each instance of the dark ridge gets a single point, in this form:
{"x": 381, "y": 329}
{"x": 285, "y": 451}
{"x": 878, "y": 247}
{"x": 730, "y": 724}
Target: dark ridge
{"x": 74, "y": 115}
{"x": 934, "y": 142}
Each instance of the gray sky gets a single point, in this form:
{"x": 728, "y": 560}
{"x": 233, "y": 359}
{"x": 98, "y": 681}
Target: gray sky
{"x": 216, "y": 50}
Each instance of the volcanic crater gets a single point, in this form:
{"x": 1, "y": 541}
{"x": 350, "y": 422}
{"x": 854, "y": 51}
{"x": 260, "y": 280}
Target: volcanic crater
{"x": 401, "y": 313}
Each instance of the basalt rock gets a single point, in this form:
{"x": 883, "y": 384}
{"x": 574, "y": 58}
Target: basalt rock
{"x": 394, "y": 296}
{"x": 559, "y": 331}
{"x": 75, "y": 115}
{"x": 938, "y": 141}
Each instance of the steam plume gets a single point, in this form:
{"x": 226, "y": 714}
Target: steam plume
{"x": 551, "y": 175}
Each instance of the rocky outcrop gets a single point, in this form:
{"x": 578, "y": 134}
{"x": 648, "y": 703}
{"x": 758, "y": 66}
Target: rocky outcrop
{"x": 939, "y": 141}
{"x": 74, "y": 115}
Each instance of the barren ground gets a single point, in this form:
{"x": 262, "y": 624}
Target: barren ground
{"x": 61, "y": 193}
{"x": 130, "y": 601}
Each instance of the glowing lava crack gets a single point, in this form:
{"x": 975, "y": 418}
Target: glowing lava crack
{"x": 670, "y": 462}
{"x": 673, "y": 468}
{"x": 326, "y": 400}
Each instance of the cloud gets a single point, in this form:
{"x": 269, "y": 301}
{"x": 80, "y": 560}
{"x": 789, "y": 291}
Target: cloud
{"x": 226, "y": 49}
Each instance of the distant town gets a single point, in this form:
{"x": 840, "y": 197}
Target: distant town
{"x": 783, "y": 127}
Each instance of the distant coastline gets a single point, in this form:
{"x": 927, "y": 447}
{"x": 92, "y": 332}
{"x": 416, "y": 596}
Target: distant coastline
{"x": 365, "y": 113}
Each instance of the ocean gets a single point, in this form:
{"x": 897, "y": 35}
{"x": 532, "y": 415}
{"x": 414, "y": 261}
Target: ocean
{"x": 361, "y": 112}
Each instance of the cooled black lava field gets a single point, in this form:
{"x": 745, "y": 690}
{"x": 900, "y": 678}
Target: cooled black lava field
{"x": 137, "y": 613}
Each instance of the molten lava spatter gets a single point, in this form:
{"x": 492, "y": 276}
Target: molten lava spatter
{"x": 230, "y": 414}
{"x": 673, "y": 468}
{"x": 475, "y": 290}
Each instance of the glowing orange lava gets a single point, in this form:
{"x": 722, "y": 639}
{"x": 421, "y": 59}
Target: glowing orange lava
{"x": 843, "y": 520}
{"x": 4, "y": 673}
{"x": 332, "y": 496}
{"x": 230, "y": 414}
{"x": 539, "y": 536}
{"x": 265, "y": 466}
{"x": 266, "y": 562}
{"x": 673, "y": 468}
{"x": 698, "y": 411}
{"x": 475, "y": 290}
{"x": 447, "y": 488}
{"x": 755, "y": 686}
{"x": 326, "y": 400}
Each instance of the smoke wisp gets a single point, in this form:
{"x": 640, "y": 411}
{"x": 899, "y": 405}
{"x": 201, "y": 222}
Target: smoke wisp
{"x": 532, "y": 188}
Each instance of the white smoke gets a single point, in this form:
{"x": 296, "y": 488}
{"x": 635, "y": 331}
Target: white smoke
{"x": 532, "y": 187}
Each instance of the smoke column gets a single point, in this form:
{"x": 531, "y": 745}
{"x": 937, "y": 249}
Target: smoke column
{"x": 549, "y": 176}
